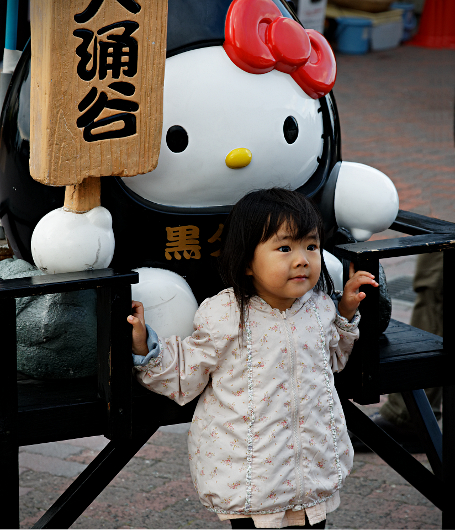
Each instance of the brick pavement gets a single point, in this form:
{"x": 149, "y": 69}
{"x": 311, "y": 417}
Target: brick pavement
{"x": 396, "y": 110}
{"x": 155, "y": 490}
{"x": 397, "y": 114}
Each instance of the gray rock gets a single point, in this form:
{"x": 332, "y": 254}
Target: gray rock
{"x": 385, "y": 302}
{"x": 56, "y": 333}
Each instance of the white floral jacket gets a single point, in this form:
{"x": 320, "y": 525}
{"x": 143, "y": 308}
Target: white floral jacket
{"x": 268, "y": 433}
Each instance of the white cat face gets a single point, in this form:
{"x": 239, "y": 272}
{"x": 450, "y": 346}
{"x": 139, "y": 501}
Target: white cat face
{"x": 211, "y": 109}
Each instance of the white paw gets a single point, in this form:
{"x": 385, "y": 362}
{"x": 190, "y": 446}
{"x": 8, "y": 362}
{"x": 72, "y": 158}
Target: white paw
{"x": 366, "y": 201}
{"x": 64, "y": 241}
{"x": 169, "y": 303}
{"x": 335, "y": 268}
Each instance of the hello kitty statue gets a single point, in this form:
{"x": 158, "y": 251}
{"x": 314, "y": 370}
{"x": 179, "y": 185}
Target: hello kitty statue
{"x": 248, "y": 103}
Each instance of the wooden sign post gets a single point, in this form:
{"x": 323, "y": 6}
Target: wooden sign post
{"x": 97, "y": 76}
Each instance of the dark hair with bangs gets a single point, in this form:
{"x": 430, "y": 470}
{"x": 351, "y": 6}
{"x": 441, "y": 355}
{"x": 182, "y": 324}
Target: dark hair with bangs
{"x": 255, "y": 219}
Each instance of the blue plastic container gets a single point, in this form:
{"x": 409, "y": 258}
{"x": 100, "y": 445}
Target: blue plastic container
{"x": 353, "y": 35}
{"x": 409, "y": 18}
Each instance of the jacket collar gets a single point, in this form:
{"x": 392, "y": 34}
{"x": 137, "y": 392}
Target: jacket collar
{"x": 258, "y": 304}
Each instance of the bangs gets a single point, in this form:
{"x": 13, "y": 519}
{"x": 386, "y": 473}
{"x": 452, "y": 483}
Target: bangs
{"x": 299, "y": 224}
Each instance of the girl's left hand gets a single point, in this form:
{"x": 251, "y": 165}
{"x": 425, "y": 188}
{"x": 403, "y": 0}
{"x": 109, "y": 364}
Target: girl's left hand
{"x": 351, "y": 296}
{"x": 139, "y": 342}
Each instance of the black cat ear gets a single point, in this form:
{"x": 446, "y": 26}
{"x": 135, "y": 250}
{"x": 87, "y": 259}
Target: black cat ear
{"x": 200, "y": 23}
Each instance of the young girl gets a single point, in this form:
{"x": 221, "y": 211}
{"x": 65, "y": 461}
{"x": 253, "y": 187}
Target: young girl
{"x": 268, "y": 444}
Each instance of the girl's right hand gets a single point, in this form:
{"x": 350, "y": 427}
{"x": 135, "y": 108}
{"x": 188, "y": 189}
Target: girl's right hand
{"x": 139, "y": 330}
{"x": 351, "y": 295}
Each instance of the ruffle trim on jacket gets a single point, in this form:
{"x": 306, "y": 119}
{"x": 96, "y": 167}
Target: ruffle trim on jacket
{"x": 276, "y": 510}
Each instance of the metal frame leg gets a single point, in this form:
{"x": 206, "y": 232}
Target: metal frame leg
{"x": 91, "y": 482}
{"x": 448, "y": 454}
{"x": 427, "y": 427}
{"x": 393, "y": 454}
{"x": 9, "y": 451}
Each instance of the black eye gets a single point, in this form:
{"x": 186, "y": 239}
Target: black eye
{"x": 177, "y": 139}
{"x": 290, "y": 129}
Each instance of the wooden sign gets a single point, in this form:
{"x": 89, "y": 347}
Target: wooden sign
{"x": 97, "y": 76}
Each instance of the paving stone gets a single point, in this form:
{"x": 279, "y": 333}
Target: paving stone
{"x": 403, "y": 493}
{"x": 54, "y": 466}
{"x": 57, "y": 450}
{"x": 46, "y": 488}
{"x": 181, "y": 428}
{"x": 401, "y": 310}
{"x": 84, "y": 457}
{"x": 381, "y": 472}
{"x": 96, "y": 443}
{"x": 24, "y": 491}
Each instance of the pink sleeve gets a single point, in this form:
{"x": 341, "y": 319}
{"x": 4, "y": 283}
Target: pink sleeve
{"x": 182, "y": 369}
{"x": 344, "y": 334}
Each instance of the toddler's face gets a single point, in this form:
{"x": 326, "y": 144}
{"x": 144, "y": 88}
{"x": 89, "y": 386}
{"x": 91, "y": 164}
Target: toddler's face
{"x": 284, "y": 268}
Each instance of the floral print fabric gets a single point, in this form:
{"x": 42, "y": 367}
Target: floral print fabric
{"x": 268, "y": 433}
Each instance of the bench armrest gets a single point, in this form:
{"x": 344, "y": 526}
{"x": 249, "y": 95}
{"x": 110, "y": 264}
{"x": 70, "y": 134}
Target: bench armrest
{"x": 65, "y": 282}
{"x": 427, "y": 235}
{"x": 360, "y": 379}
{"x": 113, "y": 339}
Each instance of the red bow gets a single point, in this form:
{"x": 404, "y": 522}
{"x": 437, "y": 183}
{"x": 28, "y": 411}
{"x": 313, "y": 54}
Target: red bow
{"x": 259, "y": 39}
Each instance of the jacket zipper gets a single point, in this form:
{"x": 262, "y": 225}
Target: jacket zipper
{"x": 294, "y": 414}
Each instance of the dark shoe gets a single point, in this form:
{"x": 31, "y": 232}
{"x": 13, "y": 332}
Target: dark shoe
{"x": 407, "y": 438}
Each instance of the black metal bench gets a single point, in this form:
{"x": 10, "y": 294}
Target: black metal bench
{"x": 36, "y": 411}
{"x": 407, "y": 360}
{"x": 403, "y": 359}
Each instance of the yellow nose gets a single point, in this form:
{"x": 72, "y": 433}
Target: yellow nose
{"x": 238, "y": 158}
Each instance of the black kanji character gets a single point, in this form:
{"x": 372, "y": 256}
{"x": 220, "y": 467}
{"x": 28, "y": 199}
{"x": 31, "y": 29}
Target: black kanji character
{"x": 112, "y": 54}
{"x": 82, "y": 51}
{"x": 88, "y": 120}
{"x": 115, "y": 50}
{"x": 93, "y": 7}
